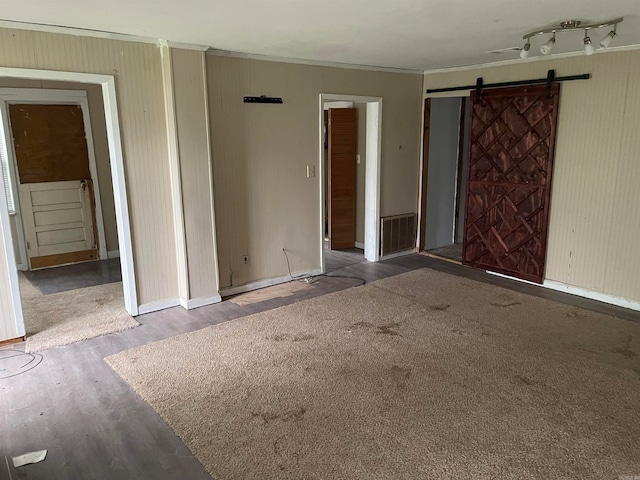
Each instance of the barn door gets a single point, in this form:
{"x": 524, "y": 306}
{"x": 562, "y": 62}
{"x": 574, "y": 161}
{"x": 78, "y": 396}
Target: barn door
{"x": 343, "y": 145}
{"x": 511, "y": 144}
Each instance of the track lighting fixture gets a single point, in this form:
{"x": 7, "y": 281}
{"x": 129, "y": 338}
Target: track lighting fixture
{"x": 606, "y": 41}
{"x": 569, "y": 26}
{"x": 588, "y": 47}
{"x": 548, "y": 46}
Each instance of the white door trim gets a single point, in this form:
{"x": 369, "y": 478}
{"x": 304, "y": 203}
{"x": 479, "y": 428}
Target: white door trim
{"x": 107, "y": 82}
{"x": 372, "y": 176}
{"x": 57, "y": 97}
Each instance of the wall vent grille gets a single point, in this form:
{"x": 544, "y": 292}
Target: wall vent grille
{"x": 398, "y": 233}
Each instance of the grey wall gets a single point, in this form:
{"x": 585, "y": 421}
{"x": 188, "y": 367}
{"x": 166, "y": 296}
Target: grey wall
{"x": 443, "y": 162}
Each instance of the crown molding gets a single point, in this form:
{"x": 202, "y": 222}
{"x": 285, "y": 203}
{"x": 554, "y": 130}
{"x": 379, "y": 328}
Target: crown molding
{"x": 315, "y": 63}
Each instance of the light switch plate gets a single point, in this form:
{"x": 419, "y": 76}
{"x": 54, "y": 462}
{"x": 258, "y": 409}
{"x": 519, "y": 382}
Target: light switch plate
{"x": 311, "y": 171}
{"x": 358, "y": 159}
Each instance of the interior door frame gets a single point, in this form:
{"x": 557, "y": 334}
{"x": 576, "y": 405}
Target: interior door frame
{"x": 108, "y": 84}
{"x": 372, "y": 175}
{"x": 424, "y": 162}
{"x": 38, "y": 96}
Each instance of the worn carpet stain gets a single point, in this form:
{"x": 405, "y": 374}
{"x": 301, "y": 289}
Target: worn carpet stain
{"x": 625, "y": 350}
{"x": 520, "y": 392}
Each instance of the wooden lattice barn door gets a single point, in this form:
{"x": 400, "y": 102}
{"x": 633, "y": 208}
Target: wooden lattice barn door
{"x": 512, "y": 138}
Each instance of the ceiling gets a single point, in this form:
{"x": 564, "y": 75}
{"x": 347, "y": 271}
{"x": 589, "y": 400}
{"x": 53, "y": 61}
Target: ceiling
{"x": 408, "y": 34}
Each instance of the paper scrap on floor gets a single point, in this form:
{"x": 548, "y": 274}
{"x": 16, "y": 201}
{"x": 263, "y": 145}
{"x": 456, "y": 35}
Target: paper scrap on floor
{"x": 27, "y": 458}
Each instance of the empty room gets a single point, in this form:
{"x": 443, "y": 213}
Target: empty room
{"x": 266, "y": 240}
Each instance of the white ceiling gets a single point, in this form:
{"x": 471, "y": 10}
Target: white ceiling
{"x": 410, "y": 34}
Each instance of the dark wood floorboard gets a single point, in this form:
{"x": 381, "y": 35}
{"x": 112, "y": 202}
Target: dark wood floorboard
{"x": 451, "y": 252}
{"x": 96, "y": 427}
{"x": 72, "y": 277}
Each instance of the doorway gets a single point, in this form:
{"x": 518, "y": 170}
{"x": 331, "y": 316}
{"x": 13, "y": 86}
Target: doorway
{"x": 344, "y": 146}
{"x": 115, "y": 171}
{"x": 362, "y": 116}
{"x": 55, "y": 165}
{"x": 446, "y": 153}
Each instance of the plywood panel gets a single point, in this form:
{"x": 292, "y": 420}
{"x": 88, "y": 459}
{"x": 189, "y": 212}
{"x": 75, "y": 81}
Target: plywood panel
{"x": 138, "y": 75}
{"x": 193, "y": 145}
{"x": 593, "y": 201}
{"x": 49, "y": 143}
{"x": 264, "y": 202}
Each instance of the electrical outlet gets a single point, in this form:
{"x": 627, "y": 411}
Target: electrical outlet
{"x": 245, "y": 259}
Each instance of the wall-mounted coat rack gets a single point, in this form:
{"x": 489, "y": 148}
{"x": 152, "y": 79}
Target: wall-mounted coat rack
{"x": 262, "y": 99}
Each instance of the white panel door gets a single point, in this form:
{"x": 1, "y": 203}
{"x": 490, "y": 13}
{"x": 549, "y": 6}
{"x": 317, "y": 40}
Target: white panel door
{"x": 57, "y": 217}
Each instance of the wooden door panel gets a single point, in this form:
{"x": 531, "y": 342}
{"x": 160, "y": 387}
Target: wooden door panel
{"x": 49, "y": 142}
{"x": 512, "y": 138}
{"x": 58, "y": 222}
{"x": 343, "y": 140}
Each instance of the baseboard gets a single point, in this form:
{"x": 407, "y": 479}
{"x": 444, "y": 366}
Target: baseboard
{"x": 199, "y": 302}
{"x": 593, "y": 295}
{"x": 159, "y": 305}
{"x": 360, "y": 245}
{"x": 579, "y": 291}
{"x": 247, "y": 287}
{"x": 11, "y": 341}
{"x": 113, "y": 254}
{"x": 398, "y": 254}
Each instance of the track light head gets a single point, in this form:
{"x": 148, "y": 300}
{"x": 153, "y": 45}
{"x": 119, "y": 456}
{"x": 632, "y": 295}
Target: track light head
{"x": 547, "y": 47}
{"x": 606, "y": 41}
{"x": 524, "y": 53}
{"x": 588, "y": 46}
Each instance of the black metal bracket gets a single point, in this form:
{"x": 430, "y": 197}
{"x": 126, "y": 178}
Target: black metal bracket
{"x": 479, "y": 86}
{"x": 551, "y": 75}
{"x": 262, "y": 99}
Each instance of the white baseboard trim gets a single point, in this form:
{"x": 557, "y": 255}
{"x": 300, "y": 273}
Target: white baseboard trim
{"x": 398, "y": 254}
{"x": 579, "y": 291}
{"x": 360, "y": 245}
{"x": 593, "y": 295}
{"x": 199, "y": 302}
{"x": 113, "y": 254}
{"x": 268, "y": 282}
{"x": 159, "y": 305}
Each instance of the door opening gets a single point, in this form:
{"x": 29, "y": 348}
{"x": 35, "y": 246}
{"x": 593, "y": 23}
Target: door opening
{"x": 446, "y": 156}
{"x": 350, "y": 132}
{"x": 54, "y": 164}
{"x": 115, "y": 170}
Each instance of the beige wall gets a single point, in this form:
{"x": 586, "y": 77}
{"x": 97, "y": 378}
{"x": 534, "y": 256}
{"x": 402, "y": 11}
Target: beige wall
{"x": 195, "y": 170}
{"x": 595, "y": 203}
{"x": 264, "y": 202}
{"x": 100, "y": 145}
{"x": 138, "y": 75}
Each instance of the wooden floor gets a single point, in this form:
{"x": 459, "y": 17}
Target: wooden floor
{"x": 78, "y": 275}
{"x": 95, "y": 427}
{"x": 450, "y": 252}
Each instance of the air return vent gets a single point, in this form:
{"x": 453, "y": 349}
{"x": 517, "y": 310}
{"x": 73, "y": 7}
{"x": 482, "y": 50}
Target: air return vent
{"x": 398, "y": 233}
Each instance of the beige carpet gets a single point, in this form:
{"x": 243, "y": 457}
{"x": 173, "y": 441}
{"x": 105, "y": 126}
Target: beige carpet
{"x": 422, "y": 375}
{"x": 67, "y": 317}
